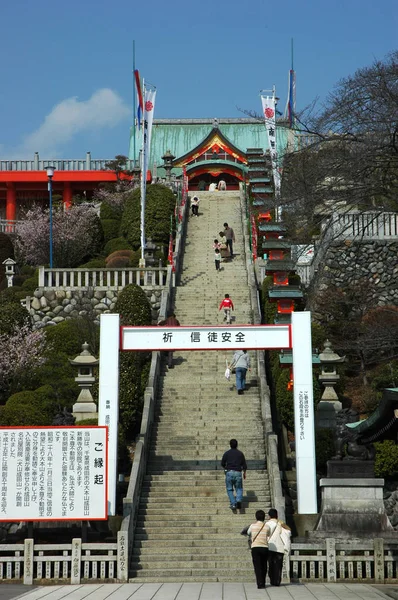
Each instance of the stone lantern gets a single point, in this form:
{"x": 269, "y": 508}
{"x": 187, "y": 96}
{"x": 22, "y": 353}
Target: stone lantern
{"x": 85, "y": 407}
{"x": 9, "y": 265}
{"x": 168, "y": 159}
{"x": 330, "y": 403}
{"x": 149, "y": 253}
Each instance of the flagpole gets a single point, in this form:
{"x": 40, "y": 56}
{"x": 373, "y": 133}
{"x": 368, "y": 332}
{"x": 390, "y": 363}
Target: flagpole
{"x": 143, "y": 180}
{"x": 134, "y": 106}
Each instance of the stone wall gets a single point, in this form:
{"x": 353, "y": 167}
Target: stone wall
{"x": 49, "y": 307}
{"x": 347, "y": 263}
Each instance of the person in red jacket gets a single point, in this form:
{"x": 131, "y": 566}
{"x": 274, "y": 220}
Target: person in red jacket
{"x": 227, "y": 305}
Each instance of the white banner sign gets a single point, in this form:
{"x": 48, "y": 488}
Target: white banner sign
{"x": 304, "y": 413}
{"x": 149, "y": 107}
{"x": 53, "y": 473}
{"x": 269, "y": 109}
{"x": 206, "y": 338}
{"x": 108, "y": 401}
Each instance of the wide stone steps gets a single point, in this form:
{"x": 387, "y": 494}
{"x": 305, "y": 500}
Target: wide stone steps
{"x": 185, "y": 530}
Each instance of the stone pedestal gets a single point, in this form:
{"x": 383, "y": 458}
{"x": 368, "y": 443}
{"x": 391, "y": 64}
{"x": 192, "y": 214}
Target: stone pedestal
{"x": 326, "y": 413}
{"x": 352, "y": 508}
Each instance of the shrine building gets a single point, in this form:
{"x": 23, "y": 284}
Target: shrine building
{"x": 210, "y": 149}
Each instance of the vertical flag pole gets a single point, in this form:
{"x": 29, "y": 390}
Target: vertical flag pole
{"x": 143, "y": 179}
{"x": 134, "y": 107}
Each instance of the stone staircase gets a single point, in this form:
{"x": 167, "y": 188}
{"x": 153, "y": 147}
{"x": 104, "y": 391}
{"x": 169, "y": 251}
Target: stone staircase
{"x": 185, "y": 530}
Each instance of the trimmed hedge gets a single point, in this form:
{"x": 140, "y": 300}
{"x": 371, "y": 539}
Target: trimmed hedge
{"x": 133, "y": 306}
{"x": 159, "y": 207}
{"x": 29, "y": 407}
{"x": 110, "y": 228}
{"x": 284, "y": 398}
{"x": 134, "y": 309}
{"x": 109, "y": 212}
{"x": 117, "y": 244}
{"x": 94, "y": 263}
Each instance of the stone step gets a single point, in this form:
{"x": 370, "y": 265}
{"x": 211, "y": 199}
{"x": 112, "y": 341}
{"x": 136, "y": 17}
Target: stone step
{"x": 190, "y": 579}
{"x": 190, "y": 545}
{"x": 241, "y": 563}
{"x": 185, "y": 553}
{"x": 193, "y": 574}
{"x": 194, "y": 476}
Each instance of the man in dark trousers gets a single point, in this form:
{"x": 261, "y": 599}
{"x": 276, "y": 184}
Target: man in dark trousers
{"x": 171, "y": 321}
{"x": 234, "y": 465}
{"x": 229, "y": 238}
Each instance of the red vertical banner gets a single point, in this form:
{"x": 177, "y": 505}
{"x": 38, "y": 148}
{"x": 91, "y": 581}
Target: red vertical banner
{"x": 254, "y": 236}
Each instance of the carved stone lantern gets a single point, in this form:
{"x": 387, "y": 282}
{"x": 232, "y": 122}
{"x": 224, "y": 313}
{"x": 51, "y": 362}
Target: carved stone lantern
{"x": 85, "y": 407}
{"x": 330, "y": 403}
{"x": 149, "y": 253}
{"x": 168, "y": 159}
{"x": 9, "y": 265}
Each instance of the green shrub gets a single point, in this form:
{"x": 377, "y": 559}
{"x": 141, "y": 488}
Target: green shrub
{"x": 386, "y": 463}
{"x": 133, "y": 306}
{"x": 95, "y": 263}
{"x": 318, "y": 336}
{"x": 37, "y": 407}
{"x": 160, "y": 203}
{"x": 294, "y": 279}
{"x": 67, "y": 337}
{"x": 284, "y": 398}
{"x": 109, "y": 212}
{"x": 87, "y": 422}
{"x": 110, "y": 228}
{"x": 324, "y": 447}
{"x": 31, "y": 283}
{"x": 12, "y": 315}
{"x": 116, "y": 244}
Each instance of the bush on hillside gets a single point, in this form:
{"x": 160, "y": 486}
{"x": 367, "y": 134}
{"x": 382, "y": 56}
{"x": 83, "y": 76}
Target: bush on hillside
{"x": 134, "y": 309}
{"x": 133, "y": 306}
{"x": 108, "y": 211}
{"x": 159, "y": 207}
{"x": 95, "y": 263}
{"x": 37, "y": 407}
{"x": 68, "y": 336}
{"x": 284, "y": 398}
{"x": 110, "y": 228}
{"x": 386, "y": 462}
{"x": 118, "y": 262}
{"x": 117, "y": 244}
{"x": 12, "y": 315}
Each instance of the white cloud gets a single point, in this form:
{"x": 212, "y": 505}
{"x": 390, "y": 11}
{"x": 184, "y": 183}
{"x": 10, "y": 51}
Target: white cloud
{"x": 71, "y": 117}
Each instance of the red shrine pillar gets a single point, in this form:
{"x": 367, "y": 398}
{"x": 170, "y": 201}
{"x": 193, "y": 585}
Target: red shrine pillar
{"x": 67, "y": 195}
{"x": 11, "y": 202}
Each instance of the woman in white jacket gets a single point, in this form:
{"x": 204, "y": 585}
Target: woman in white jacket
{"x": 278, "y": 546}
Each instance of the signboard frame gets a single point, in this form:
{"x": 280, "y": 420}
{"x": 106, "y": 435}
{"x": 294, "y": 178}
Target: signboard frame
{"x": 61, "y": 428}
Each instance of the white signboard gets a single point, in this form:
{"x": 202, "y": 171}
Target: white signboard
{"x": 206, "y": 338}
{"x": 53, "y": 473}
{"x": 304, "y": 413}
{"x": 108, "y": 401}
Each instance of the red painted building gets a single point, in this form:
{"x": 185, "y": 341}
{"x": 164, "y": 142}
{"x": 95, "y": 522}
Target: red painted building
{"x": 24, "y": 182}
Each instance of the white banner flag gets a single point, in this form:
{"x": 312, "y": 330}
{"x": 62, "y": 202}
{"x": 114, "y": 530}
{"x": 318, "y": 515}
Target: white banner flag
{"x": 269, "y": 109}
{"x": 149, "y": 106}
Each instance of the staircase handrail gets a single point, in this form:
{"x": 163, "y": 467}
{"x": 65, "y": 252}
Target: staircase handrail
{"x": 271, "y": 439}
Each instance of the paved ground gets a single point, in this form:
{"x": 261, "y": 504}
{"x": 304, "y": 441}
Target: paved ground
{"x": 196, "y": 591}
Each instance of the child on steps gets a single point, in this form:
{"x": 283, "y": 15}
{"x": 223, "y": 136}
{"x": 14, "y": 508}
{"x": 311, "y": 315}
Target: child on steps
{"x": 227, "y": 305}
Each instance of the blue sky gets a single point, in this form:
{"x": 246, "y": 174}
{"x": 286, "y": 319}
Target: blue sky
{"x": 66, "y": 67}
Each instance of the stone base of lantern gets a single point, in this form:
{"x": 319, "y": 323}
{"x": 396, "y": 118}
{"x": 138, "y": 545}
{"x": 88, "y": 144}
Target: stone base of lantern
{"x": 326, "y": 413}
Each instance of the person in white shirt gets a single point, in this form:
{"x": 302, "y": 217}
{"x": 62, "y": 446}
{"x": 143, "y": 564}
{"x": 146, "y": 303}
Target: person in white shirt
{"x": 278, "y": 545}
{"x": 212, "y": 187}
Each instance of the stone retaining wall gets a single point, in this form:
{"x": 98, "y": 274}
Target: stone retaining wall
{"x": 49, "y": 307}
{"x": 349, "y": 263}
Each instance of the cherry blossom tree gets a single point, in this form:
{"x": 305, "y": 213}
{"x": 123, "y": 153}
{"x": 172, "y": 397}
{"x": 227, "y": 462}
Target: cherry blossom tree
{"x": 77, "y": 236}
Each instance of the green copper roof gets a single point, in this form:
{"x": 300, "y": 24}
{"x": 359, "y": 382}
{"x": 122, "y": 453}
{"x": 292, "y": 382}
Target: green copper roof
{"x": 182, "y": 135}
